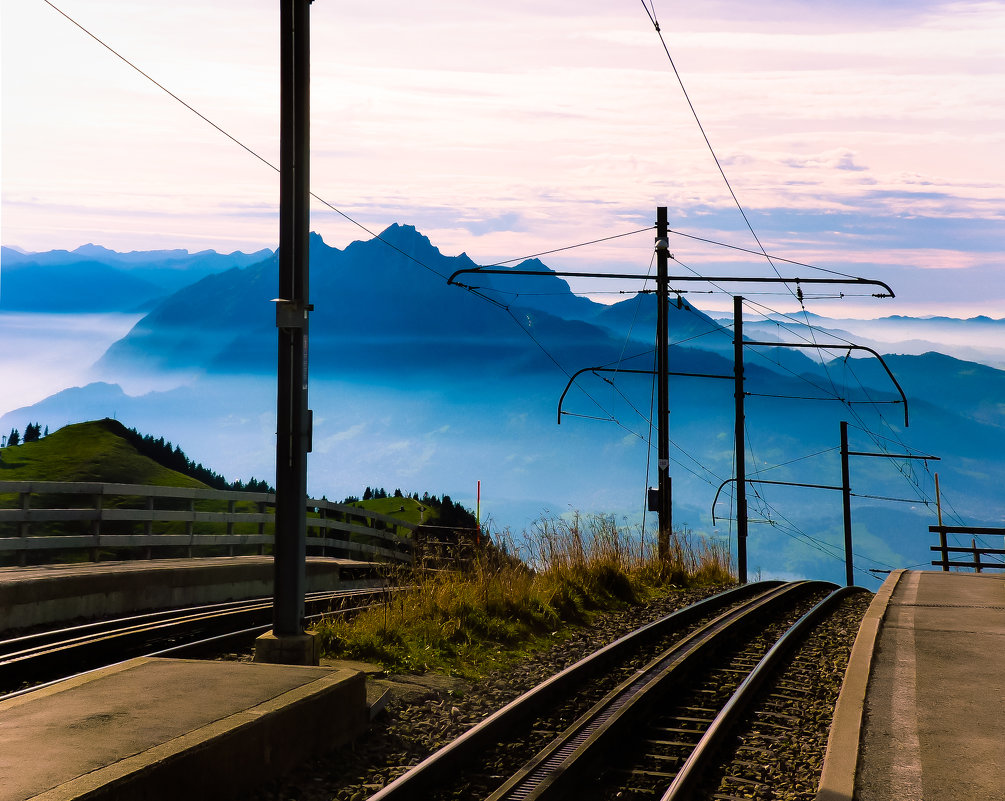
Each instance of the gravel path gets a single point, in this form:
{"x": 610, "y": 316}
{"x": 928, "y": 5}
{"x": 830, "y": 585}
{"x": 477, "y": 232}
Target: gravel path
{"x": 424, "y": 715}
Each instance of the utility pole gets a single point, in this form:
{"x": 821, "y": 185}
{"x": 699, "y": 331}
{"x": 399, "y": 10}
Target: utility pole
{"x": 849, "y": 567}
{"x": 664, "y": 504}
{"x": 740, "y": 442}
{"x": 288, "y": 643}
{"x": 846, "y": 491}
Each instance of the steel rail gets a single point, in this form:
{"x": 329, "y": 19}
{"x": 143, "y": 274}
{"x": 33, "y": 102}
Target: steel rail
{"x": 174, "y": 650}
{"x": 40, "y": 640}
{"x": 37, "y": 638}
{"x": 559, "y": 766}
{"x": 704, "y": 752}
{"x": 429, "y": 773}
{"x": 134, "y": 633}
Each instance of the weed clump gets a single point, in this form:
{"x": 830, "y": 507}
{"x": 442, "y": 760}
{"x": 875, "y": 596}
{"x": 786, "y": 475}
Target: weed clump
{"x": 517, "y": 595}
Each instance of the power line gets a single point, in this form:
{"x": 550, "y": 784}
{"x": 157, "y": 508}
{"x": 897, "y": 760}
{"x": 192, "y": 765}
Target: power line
{"x": 708, "y": 143}
{"x": 233, "y": 138}
{"x": 338, "y": 211}
{"x": 759, "y": 253}
{"x": 569, "y": 247}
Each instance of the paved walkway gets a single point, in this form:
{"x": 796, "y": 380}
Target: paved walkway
{"x": 927, "y": 686}
{"x": 173, "y": 729}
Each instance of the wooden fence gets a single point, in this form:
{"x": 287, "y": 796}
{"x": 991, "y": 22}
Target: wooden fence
{"x": 68, "y": 516}
{"x": 975, "y": 562}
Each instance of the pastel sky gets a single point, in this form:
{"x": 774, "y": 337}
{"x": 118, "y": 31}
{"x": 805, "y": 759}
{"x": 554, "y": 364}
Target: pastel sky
{"x": 864, "y": 137}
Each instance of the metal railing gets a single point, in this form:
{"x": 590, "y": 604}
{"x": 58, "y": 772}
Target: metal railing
{"x": 975, "y": 563}
{"x": 68, "y": 516}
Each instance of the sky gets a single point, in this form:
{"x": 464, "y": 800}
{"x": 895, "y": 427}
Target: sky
{"x": 861, "y": 137}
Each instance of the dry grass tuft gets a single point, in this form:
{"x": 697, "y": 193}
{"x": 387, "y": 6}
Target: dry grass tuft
{"x": 517, "y": 594}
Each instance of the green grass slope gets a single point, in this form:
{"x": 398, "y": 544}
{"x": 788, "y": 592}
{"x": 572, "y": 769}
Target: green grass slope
{"x": 407, "y": 509}
{"x": 94, "y": 451}
{"x": 431, "y": 512}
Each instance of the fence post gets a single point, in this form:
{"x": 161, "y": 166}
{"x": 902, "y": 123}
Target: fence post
{"x": 96, "y": 529}
{"x": 190, "y": 526}
{"x": 945, "y": 549}
{"x": 148, "y": 526}
{"x": 231, "y": 508}
{"x": 977, "y": 555}
{"x": 23, "y": 527}
{"x": 261, "y": 528}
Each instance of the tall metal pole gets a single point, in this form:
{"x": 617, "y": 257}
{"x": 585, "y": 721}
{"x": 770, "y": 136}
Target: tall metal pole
{"x": 293, "y": 417}
{"x": 849, "y": 569}
{"x": 738, "y": 436}
{"x": 664, "y": 503}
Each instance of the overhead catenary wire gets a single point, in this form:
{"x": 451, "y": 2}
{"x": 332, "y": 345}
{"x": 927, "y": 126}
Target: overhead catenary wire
{"x": 651, "y": 13}
{"x": 568, "y": 247}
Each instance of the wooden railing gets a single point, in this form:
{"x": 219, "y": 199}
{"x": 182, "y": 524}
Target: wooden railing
{"x": 102, "y": 518}
{"x": 975, "y": 563}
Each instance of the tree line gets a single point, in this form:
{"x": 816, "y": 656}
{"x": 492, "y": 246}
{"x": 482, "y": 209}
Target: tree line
{"x": 449, "y": 512}
{"x": 174, "y": 458}
{"x": 32, "y": 433}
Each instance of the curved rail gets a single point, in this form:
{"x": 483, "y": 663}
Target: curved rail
{"x": 564, "y": 762}
{"x": 430, "y": 772}
{"x": 740, "y": 701}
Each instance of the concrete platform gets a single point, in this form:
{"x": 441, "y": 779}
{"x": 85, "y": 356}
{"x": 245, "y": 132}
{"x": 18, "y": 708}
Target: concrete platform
{"x": 922, "y": 711}
{"x": 173, "y": 729}
{"x": 47, "y": 594}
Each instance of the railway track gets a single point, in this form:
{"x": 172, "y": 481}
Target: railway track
{"x": 649, "y": 716}
{"x": 46, "y": 656}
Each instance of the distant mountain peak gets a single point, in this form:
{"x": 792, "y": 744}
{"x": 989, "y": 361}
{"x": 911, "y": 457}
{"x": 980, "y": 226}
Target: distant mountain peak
{"x": 404, "y": 235}
{"x": 534, "y": 264}
{"x": 90, "y": 250}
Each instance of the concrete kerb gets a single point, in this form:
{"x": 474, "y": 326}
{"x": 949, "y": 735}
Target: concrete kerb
{"x": 837, "y": 780}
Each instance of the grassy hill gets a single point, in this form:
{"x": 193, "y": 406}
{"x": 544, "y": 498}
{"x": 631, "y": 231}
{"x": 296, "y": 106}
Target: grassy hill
{"x": 98, "y": 450}
{"x": 430, "y": 510}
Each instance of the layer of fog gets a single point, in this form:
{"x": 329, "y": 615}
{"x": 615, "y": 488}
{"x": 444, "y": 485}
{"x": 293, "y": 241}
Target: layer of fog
{"x": 44, "y": 353}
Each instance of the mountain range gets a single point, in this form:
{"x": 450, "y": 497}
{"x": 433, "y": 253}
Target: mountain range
{"x": 418, "y": 383}
{"x": 92, "y": 278}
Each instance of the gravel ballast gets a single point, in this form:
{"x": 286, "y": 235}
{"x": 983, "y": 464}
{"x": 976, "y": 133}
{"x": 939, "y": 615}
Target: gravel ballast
{"x": 425, "y": 713}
